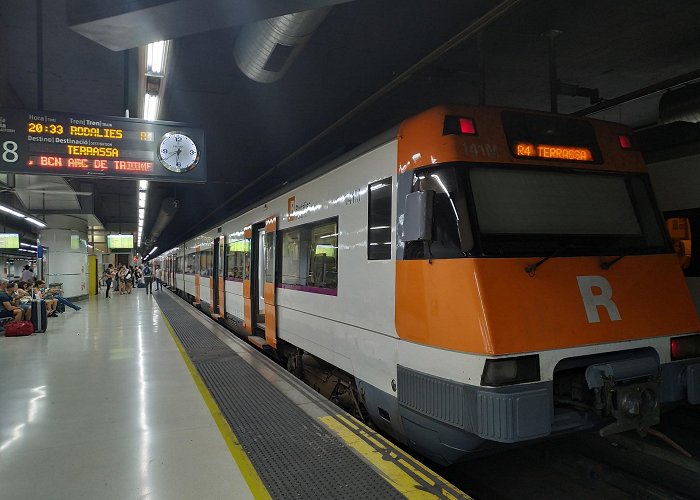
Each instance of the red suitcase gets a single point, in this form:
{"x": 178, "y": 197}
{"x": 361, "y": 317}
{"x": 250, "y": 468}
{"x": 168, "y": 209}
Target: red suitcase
{"x": 19, "y": 329}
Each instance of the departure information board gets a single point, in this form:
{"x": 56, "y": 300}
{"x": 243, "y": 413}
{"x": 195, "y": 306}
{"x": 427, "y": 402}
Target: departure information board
{"x": 120, "y": 241}
{"x": 47, "y": 142}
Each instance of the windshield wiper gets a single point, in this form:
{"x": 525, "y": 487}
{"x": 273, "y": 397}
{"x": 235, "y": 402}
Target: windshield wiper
{"x": 532, "y": 268}
{"x": 610, "y": 263}
{"x": 621, "y": 255}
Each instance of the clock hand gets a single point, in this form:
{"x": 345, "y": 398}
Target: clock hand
{"x": 176, "y": 152}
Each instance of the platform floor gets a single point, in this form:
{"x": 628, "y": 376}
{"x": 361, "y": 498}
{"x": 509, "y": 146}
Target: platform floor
{"x": 142, "y": 396}
{"x": 103, "y": 407}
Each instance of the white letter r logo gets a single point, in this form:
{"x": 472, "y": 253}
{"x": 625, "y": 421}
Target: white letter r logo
{"x": 586, "y": 284}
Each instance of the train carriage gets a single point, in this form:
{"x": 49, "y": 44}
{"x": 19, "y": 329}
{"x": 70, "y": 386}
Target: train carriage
{"x": 478, "y": 276}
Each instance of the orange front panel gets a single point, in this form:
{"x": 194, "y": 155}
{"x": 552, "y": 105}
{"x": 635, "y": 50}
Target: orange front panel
{"x": 222, "y": 297}
{"x": 270, "y": 314}
{"x": 491, "y": 306}
{"x": 196, "y": 288}
{"x": 247, "y": 308}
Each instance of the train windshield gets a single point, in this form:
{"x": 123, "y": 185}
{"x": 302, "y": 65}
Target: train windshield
{"x": 534, "y": 212}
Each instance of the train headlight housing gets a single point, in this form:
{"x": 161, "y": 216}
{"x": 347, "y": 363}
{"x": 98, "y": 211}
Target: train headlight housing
{"x": 507, "y": 371}
{"x": 685, "y": 347}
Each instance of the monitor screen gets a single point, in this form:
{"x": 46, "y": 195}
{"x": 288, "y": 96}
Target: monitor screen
{"x": 120, "y": 241}
{"x": 9, "y": 240}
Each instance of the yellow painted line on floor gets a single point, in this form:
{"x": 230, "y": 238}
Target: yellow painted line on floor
{"x": 252, "y": 479}
{"x": 401, "y": 474}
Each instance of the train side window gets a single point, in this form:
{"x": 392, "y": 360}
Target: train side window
{"x": 235, "y": 258}
{"x": 379, "y": 220}
{"x": 206, "y": 262}
{"x": 680, "y": 234}
{"x": 192, "y": 263}
{"x": 310, "y": 257}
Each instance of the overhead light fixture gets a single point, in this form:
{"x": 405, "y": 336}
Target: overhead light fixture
{"x": 143, "y": 185}
{"x": 12, "y": 212}
{"x": 150, "y": 107}
{"x": 27, "y": 245}
{"x": 34, "y": 221}
{"x": 142, "y": 213}
{"x": 156, "y": 55}
{"x": 142, "y": 199}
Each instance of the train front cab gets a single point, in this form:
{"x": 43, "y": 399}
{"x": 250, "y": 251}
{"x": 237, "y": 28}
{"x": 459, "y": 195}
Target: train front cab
{"x": 534, "y": 295}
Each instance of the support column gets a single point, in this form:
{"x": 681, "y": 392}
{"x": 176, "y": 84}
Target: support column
{"x": 65, "y": 240}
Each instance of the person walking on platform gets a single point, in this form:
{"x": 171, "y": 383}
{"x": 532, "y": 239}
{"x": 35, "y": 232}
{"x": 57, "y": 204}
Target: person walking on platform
{"x": 148, "y": 278}
{"x": 8, "y": 309}
{"x": 109, "y": 276}
{"x": 159, "y": 278}
{"x": 27, "y": 275}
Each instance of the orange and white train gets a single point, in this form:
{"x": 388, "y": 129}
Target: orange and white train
{"x": 476, "y": 276}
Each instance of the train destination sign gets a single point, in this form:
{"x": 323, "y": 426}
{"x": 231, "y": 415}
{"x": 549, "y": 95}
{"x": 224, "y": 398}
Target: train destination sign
{"x": 48, "y": 142}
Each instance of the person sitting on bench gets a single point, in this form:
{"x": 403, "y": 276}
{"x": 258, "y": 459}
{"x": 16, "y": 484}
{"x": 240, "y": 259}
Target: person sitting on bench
{"x": 8, "y": 309}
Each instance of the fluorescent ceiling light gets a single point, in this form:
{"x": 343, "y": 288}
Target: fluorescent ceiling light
{"x": 142, "y": 199}
{"x": 34, "y": 221}
{"x": 142, "y": 213}
{"x": 150, "y": 107}
{"x": 27, "y": 245}
{"x": 13, "y": 212}
{"x": 143, "y": 185}
{"x": 156, "y": 53}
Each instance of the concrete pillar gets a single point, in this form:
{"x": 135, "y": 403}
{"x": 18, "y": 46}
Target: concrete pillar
{"x": 66, "y": 241}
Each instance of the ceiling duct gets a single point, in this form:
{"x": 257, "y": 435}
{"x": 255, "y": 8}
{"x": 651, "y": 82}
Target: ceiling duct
{"x": 167, "y": 211}
{"x": 681, "y": 105}
{"x": 265, "y": 50}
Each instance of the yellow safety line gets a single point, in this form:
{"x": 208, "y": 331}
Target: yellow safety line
{"x": 398, "y": 472}
{"x": 256, "y": 485}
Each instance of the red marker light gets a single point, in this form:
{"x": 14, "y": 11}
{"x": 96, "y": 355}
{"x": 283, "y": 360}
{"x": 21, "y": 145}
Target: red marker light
{"x": 466, "y": 126}
{"x": 457, "y": 125}
{"x": 625, "y": 141}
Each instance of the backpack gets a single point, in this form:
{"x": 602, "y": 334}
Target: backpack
{"x": 147, "y": 271}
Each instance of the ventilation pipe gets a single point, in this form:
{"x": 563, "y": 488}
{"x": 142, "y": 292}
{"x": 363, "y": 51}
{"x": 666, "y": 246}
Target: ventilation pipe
{"x": 168, "y": 208}
{"x": 681, "y": 105}
{"x": 265, "y": 50}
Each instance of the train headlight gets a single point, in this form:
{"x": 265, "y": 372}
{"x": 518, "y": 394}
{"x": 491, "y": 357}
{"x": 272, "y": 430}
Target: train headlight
{"x": 506, "y": 371}
{"x": 685, "y": 347}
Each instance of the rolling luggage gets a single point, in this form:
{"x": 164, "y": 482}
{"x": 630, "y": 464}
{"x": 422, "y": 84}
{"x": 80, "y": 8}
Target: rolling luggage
{"x": 39, "y": 317}
{"x": 19, "y": 329}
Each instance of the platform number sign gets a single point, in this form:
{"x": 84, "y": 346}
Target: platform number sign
{"x": 9, "y": 152}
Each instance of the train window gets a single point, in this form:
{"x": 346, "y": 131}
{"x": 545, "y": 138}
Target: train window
{"x": 192, "y": 263}
{"x": 379, "y": 220}
{"x": 269, "y": 253}
{"x": 235, "y": 258}
{"x": 310, "y": 257}
{"x": 206, "y": 262}
{"x": 533, "y": 211}
{"x": 179, "y": 267}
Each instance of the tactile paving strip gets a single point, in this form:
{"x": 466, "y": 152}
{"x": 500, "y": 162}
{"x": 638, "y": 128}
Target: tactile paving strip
{"x": 293, "y": 454}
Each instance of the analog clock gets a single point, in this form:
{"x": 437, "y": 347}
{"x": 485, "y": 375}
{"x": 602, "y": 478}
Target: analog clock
{"x": 178, "y": 152}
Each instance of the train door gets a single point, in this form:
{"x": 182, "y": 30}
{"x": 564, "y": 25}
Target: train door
{"x": 259, "y": 292}
{"x": 214, "y": 280}
{"x": 217, "y": 279}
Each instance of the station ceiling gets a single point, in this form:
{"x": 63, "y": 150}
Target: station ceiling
{"x": 369, "y": 64}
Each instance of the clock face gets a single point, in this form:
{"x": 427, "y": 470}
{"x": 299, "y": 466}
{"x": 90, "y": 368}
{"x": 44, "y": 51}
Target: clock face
{"x": 177, "y": 152}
